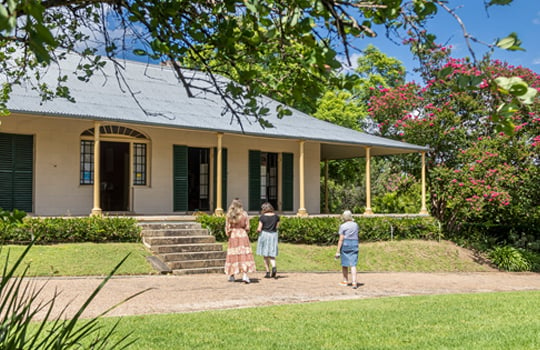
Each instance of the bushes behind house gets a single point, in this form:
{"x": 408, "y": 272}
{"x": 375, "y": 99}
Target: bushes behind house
{"x": 323, "y": 230}
{"x": 68, "y": 230}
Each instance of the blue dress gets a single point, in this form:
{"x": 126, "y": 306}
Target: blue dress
{"x": 267, "y": 244}
{"x": 349, "y": 247}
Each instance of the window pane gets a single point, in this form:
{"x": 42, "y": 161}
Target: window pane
{"x": 139, "y": 164}
{"x": 87, "y": 163}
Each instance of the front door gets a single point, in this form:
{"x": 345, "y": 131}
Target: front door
{"x": 198, "y": 179}
{"x": 114, "y": 176}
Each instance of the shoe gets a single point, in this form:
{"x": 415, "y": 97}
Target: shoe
{"x": 274, "y": 272}
{"x": 344, "y": 283}
{"x": 231, "y": 278}
{"x": 267, "y": 275}
{"x": 246, "y": 280}
{"x": 355, "y": 286}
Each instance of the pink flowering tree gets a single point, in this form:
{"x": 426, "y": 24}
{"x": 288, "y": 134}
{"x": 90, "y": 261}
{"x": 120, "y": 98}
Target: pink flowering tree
{"x": 484, "y": 135}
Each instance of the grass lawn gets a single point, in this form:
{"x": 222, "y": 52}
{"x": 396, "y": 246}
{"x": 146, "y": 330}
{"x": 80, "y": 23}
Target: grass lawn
{"x": 81, "y": 259}
{"x": 98, "y": 259}
{"x": 470, "y": 321}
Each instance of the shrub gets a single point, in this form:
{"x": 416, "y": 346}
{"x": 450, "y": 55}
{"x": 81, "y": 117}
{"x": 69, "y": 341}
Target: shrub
{"x": 508, "y": 258}
{"x": 323, "y": 230}
{"x": 61, "y": 230}
{"x": 20, "y": 304}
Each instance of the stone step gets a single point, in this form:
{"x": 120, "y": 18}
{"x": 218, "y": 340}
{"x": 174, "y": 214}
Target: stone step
{"x": 169, "y": 225}
{"x": 195, "y": 264}
{"x": 180, "y": 248}
{"x": 200, "y": 270}
{"x": 159, "y": 241}
{"x": 168, "y": 232}
{"x": 205, "y": 255}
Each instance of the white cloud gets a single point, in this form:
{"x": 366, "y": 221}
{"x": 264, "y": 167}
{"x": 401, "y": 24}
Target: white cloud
{"x": 354, "y": 62}
{"x": 536, "y": 20}
{"x": 536, "y": 60}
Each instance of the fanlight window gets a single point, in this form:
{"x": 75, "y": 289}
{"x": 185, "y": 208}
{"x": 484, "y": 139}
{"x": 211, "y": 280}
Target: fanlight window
{"x": 115, "y": 130}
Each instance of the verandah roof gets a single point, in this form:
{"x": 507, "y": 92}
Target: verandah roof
{"x": 161, "y": 100}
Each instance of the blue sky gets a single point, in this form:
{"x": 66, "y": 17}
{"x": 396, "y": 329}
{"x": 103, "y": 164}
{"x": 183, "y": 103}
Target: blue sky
{"x": 522, "y": 17}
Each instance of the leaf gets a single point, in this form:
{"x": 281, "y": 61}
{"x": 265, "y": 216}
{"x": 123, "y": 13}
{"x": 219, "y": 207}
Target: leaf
{"x": 511, "y": 43}
{"x": 139, "y": 52}
{"x": 443, "y": 73}
{"x": 518, "y": 89}
{"x": 528, "y": 97}
{"x": 500, "y": 2}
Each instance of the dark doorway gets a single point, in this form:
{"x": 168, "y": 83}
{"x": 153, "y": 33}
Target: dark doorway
{"x": 114, "y": 176}
{"x": 198, "y": 179}
{"x": 269, "y": 178}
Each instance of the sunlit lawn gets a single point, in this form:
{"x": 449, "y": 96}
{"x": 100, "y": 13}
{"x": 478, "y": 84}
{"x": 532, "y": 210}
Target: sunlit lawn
{"x": 473, "y": 321}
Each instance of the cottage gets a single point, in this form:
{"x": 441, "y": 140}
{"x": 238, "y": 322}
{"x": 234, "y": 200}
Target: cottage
{"x": 140, "y": 146}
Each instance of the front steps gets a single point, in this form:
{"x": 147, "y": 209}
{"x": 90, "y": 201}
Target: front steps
{"x": 182, "y": 247}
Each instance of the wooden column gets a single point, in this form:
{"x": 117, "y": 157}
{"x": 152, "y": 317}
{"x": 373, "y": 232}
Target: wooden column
{"x": 302, "y": 210}
{"x": 96, "y": 210}
{"x": 423, "y": 210}
{"x": 368, "y": 210}
{"x": 326, "y": 186}
{"x": 219, "y": 176}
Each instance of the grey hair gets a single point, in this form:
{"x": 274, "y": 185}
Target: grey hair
{"x": 347, "y": 215}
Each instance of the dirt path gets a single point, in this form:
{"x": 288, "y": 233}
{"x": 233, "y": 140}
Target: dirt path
{"x": 175, "y": 294}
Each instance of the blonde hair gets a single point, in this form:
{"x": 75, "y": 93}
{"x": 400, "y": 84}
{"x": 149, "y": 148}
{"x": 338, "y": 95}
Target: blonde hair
{"x": 266, "y": 207}
{"x": 236, "y": 211}
{"x": 347, "y": 215}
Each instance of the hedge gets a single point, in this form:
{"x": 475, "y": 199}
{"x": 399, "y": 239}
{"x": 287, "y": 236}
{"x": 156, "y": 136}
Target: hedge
{"x": 323, "y": 230}
{"x": 68, "y": 230}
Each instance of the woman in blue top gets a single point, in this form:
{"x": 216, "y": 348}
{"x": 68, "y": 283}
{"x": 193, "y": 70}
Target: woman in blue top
{"x": 347, "y": 248}
{"x": 267, "y": 245}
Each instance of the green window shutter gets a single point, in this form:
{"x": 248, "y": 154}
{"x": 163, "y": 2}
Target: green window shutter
{"x": 254, "y": 175}
{"x": 224, "y": 177}
{"x": 287, "y": 176}
{"x": 16, "y": 171}
{"x": 180, "y": 178}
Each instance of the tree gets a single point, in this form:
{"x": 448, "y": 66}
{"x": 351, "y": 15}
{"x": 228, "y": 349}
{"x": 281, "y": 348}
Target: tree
{"x": 482, "y": 180}
{"x": 239, "y": 39}
{"x": 347, "y": 107}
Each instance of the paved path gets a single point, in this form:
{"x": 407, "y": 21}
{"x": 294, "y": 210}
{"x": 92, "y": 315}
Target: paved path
{"x": 175, "y": 294}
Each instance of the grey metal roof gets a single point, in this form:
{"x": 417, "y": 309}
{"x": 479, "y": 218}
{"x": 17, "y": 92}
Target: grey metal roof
{"x": 161, "y": 100}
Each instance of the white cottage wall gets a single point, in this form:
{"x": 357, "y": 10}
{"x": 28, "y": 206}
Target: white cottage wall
{"x": 57, "y": 165}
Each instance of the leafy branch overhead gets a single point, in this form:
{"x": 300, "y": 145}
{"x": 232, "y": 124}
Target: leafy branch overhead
{"x": 285, "y": 49}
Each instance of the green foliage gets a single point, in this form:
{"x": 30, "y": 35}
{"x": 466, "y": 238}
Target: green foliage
{"x": 21, "y": 327}
{"x": 14, "y": 217}
{"x": 482, "y": 173}
{"x": 287, "y": 50}
{"x": 84, "y": 229}
{"x": 323, "y": 230}
{"x": 509, "y": 259}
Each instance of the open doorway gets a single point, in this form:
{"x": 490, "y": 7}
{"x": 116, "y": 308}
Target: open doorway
{"x": 114, "y": 176}
{"x": 198, "y": 179}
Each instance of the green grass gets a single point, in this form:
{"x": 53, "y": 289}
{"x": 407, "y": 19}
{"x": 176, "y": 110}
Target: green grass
{"x": 82, "y": 259}
{"x": 470, "y": 321}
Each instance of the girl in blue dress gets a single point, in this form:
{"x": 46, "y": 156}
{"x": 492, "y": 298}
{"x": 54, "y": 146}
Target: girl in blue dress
{"x": 267, "y": 244}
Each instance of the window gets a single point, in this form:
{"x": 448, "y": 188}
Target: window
{"x": 139, "y": 164}
{"x": 87, "y": 162}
